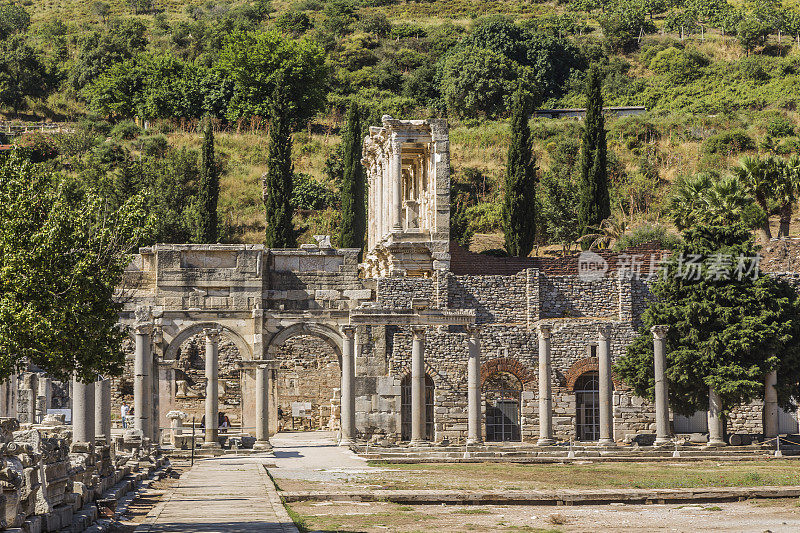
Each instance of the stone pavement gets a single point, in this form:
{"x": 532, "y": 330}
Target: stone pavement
{"x": 313, "y": 456}
{"x": 222, "y": 495}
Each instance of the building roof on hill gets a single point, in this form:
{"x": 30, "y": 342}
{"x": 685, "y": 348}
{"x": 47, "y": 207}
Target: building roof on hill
{"x": 644, "y": 257}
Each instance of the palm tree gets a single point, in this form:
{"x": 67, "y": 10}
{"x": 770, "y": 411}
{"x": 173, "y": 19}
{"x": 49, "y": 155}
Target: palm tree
{"x": 787, "y": 192}
{"x": 761, "y": 177}
{"x": 707, "y": 199}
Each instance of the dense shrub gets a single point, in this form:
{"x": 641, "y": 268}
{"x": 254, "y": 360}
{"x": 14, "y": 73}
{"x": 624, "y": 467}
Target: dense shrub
{"x": 780, "y": 126}
{"x": 647, "y": 233}
{"x": 125, "y": 131}
{"x": 308, "y": 193}
{"x": 728, "y": 142}
{"x": 37, "y": 146}
{"x": 680, "y": 65}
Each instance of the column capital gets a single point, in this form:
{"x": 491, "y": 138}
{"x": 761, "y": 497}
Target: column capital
{"x": 212, "y": 334}
{"x": 418, "y": 331}
{"x": 473, "y": 330}
{"x": 659, "y": 331}
{"x": 545, "y": 330}
{"x": 143, "y": 329}
{"x": 604, "y": 331}
{"x": 348, "y": 331}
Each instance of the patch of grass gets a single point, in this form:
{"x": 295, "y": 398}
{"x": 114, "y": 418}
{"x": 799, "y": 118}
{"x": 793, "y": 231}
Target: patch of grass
{"x": 299, "y": 520}
{"x": 472, "y": 511}
{"x": 713, "y": 508}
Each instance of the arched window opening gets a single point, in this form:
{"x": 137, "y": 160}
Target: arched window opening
{"x": 587, "y": 403}
{"x": 503, "y": 395}
{"x": 405, "y": 408}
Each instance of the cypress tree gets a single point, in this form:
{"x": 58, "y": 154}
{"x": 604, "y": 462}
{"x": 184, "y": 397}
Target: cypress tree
{"x": 593, "y": 201}
{"x": 354, "y": 215}
{"x": 519, "y": 203}
{"x": 277, "y": 181}
{"x": 208, "y": 190}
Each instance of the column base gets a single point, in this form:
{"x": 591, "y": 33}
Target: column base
{"x": 347, "y": 442}
{"x": 545, "y": 442}
{"x": 662, "y": 442}
{"x": 716, "y": 443}
{"x": 211, "y": 445}
{"x": 263, "y": 445}
{"x": 473, "y": 442}
{"x": 606, "y": 442}
{"x": 419, "y": 442}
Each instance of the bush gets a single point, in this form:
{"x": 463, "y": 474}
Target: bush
{"x": 780, "y": 126}
{"x": 376, "y": 24}
{"x": 310, "y": 194}
{"x": 485, "y": 217}
{"x": 37, "y": 146}
{"x": 679, "y": 65}
{"x": 752, "y": 68}
{"x": 154, "y": 145}
{"x": 293, "y": 22}
{"x": 647, "y": 233}
{"x": 728, "y": 142}
{"x": 125, "y": 131}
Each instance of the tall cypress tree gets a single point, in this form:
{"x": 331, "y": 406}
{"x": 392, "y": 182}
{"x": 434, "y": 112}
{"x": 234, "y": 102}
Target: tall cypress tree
{"x": 519, "y": 203}
{"x": 593, "y": 201}
{"x": 277, "y": 181}
{"x": 354, "y": 215}
{"x": 208, "y": 193}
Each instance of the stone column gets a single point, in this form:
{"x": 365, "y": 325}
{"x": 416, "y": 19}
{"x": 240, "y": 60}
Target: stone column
{"x": 348, "y": 409}
{"x": 606, "y": 387}
{"x": 771, "y": 405}
{"x": 212, "y": 389}
{"x": 662, "y": 388}
{"x": 262, "y": 409}
{"x": 418, "y": 433}
{"x": 102, "y": 410}
{"x": 82, "y": 411}
{"x": 473, "y": 386}
{"x": 397, "y": 185}
{"x": 715, "y": 429}
{"x": 545, "y": 388}
{"x": 142, "y": 384}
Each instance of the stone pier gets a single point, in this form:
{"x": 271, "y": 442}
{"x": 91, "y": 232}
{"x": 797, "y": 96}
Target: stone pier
{"x": 102, "y": 410}
{"x": 545, "y": 388}
{"x": 348, "y": 408}
{"x": 142, "y": 384}
{"x": 606, "y": 387}
{"x": 474, "y": 386}
{"x": 82, "y": 412}
{"x": 262, "y": 409}
{"x": 212, "y": 389}
{"x": 771, "y": 405}
{"x": 715, "y": 422}
{"x": 663, "y": 433}
{"x": 418, "y": 421}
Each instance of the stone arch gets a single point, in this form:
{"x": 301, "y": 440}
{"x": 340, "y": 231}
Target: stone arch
{"x": 245, "y": 350}
{"x": 323, "y": 332}
{"x": 509, "y": 365}
{"x": 581, "y": 367}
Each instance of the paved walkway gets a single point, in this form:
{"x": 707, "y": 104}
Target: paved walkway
{"x": 225, "y": 495}
{"x": 313, "y": 456}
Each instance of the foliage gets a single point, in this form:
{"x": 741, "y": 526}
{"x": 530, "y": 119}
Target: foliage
{"x": 14, "y": 19}
{"x": 724, "y": 333}
{"x": 208, "y": 190}
{"x": 353, "y": 186}
{"x": 519, "y": 201}
{"x": 557, "y": 195}
{"x": 310, "y": 194}
{"x": 706, "y": 199}
{"x": 593, "y": 198}
{"x": 780, "y": 126}
{"x": 295, "y": 23}
{"x": 623, "y": 26}
{"x": 37, "y": 146}
{"x": 278, "y": 179}
{"x": 62, "y": 255}
{"x": 125, "y": 130}
{"x": 728, "y": 142}
{"x": 647, "y": 233}
{"x": 22, "y": 73}
{"x": 476, "y": 81}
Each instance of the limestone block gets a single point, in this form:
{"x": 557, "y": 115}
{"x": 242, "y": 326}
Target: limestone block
{"x": 327, "y": 295}
{"x": 360, "y": 294}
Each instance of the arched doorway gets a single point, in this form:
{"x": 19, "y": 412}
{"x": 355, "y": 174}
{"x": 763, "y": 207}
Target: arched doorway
{"x": 405, "y": 407}
{"x": 502, "y": 392}
{"x": 587, "y": 405}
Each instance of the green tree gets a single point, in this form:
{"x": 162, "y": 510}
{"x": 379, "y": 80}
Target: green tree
{"x": 62, "y": 256}
{"x": 519, "y": 201}
{"x": 557, "y": 195}
{"x": 623, "y": 26}
{"x": 208, "y": 190}
{"x": 787, "y": 192}
{"x": 594, "y": 204}
{"x": 255, "y": 61}
{"x": 726, "y": 331}
{"x": 101, "y": 9}
{"x": 476, "y": 81}
{"x": 352, "y": 186}
{"x": 22, "y": 73}
{"x": 709, "y": 200}
{"x": 278, "y": 179}
{"x": 762, "y": 177}
{"x": 13, "y": 19}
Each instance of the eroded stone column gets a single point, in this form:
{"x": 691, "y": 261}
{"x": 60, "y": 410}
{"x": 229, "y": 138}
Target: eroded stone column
{"x": 142, "y": 386}
{"x": 348, "y": 409}
{"x": 663, "y": 433}
{"x": 262, "y": 408}
{"x": 473, "y": 386}
{"x": 102, "y": 410}
{"x": 606, "y": 387}
{"x": 418, "y": 421}
{"x": 715, "y": 428}
{"x": 397, "y": 185}
{"x": 771, "y": 405}
{"x": 82, "y": 411}
{"x": 212, "y": 389}
{"x": 545, "y": 388}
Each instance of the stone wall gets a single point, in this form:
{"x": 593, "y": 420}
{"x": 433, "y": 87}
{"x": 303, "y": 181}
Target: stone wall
{"x": 496, "y": 299}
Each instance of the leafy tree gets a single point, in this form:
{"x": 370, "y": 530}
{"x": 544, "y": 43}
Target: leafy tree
{"x": 761, "y": 177}
{"x": 13, "y": 19}
{"x": 62, "y": 256}
{"x": 623, "y": 26}
{"x": 787, "y": 192}
{"x": 278, "y": 179}
{"x": 101, "y": 9}
{"x": 751, "y": 32}
{"x": 22, "y": 73}
{"x": 476, "y": 81}
{"x": 339, "y": 17}
{"x": 208, "y": 190}
{"x": 295, "y": 23}
{"x": 352, "y": 185}
{"x": 141, "y": 6}
{"x": 725, "y": 332}
{"x": 99, "y": 51}
{"x": 256, "y": 60}
{"x": 708, "y": 200}
{"x": 519, "y": 202}
{"x": 593, "y": 199}
{"x": 173, "y": 180}
{"x": 311, "y": 194}
{"x": 557, "y": 195}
